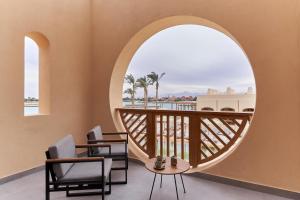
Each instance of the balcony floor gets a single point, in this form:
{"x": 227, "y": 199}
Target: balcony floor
{"x": 31, "y": 187}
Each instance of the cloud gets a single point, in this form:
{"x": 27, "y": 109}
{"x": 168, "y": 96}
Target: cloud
{"x": 194, "y": 58}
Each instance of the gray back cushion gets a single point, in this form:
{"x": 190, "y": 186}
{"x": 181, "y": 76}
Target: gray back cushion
{"x": 95, "y": 134}
{"x": 64, "y": 148}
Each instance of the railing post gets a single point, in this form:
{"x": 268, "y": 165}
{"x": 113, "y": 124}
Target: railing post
{"x": 151, "y": 133}
{"x": 195, "y": 140}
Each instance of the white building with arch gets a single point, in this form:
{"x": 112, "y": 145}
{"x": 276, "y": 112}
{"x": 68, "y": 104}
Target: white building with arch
{"x": 227, "y": 101}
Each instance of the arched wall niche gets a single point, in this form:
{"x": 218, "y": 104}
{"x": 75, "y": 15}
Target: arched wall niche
{"x": 44, "y": 71}
{"x": 39, "y": 38}
{"x": 124, "y": 58}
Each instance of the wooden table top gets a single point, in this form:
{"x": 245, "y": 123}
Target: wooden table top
{"x": 182, "y": 166}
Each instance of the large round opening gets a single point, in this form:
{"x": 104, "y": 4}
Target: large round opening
{"x": 176, "y": 73}
{"x": 189, "y": 67}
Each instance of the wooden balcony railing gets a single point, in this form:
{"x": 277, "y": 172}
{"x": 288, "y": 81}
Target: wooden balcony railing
{"x": 196, "y": 136}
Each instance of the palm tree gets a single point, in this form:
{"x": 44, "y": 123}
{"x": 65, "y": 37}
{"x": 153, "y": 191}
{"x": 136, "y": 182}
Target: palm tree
{"x": 131, "y": 81}
{"x": 154, "y": 80}
{"x": 131, "y": 93}
{"x": 144, "y": 82}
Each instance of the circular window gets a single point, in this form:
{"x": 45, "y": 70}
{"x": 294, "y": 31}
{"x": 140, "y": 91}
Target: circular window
{"x": 185, "y": 82}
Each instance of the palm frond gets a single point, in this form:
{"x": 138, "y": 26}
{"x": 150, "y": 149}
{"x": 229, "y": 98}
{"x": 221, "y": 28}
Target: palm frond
{"x": 161, "y": 75}
{"x": 130, "y": 79}
{"x": 129, "y": 91}
{"x": 143, "y": 82}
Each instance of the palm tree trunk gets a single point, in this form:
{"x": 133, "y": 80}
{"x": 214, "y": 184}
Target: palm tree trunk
{"x": 156, "y": 98}
{"x": 132, "y": 99}
{"x": 145, "y": 98}
{"x": 133, "y": 96}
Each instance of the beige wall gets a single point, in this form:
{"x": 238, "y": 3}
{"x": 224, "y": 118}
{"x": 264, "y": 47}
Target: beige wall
{"x": 268, "y": 30}
{"x": 67, "y": 26}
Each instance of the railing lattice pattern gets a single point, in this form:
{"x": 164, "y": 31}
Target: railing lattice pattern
{"x": 196, "y": 136}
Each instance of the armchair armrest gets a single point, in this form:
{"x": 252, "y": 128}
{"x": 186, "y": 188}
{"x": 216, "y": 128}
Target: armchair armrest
{"x": 89, "y": 146}
{"x": 115, "y": 133}
{"x": 92, "y": 145}
{"x": 106, "y": 140}
{"x": 74, "y": 160}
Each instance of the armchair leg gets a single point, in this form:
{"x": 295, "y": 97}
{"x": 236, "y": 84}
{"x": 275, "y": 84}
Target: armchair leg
{"x": 126, "y": 176}
{"x": 126, "y": 169}
{"x": 103, "y": 192}
{"x": 110, "y": 182}
{"x": 68, "y": 194}
{"x": 47, "y": 194}
{"x": 103, "y": 189}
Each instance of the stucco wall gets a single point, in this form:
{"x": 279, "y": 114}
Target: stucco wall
{"x": 268, "y": 30}
{"x": 66, "y": 24}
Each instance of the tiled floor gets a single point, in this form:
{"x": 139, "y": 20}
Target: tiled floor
{"x": 138, "y": 188}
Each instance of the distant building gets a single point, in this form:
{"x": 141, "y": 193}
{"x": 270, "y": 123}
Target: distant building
{"x": 172, "y": 98}
{"x": 228, "y": 101}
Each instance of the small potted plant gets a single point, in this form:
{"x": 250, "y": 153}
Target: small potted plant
{"x": 173, "y": 161}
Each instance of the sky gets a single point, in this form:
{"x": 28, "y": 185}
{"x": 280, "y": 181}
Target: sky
{"x": 31, "y": 55}
{"x": 194, "y": 59}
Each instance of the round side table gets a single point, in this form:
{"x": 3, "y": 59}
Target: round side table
{"x": 182, "y": 166}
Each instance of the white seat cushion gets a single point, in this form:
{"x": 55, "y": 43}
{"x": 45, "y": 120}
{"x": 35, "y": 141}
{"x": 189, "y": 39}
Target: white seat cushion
{"x": 64, "y": 148}
{"x": 116, "y": 148}
{"x": 88, "y": 171}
